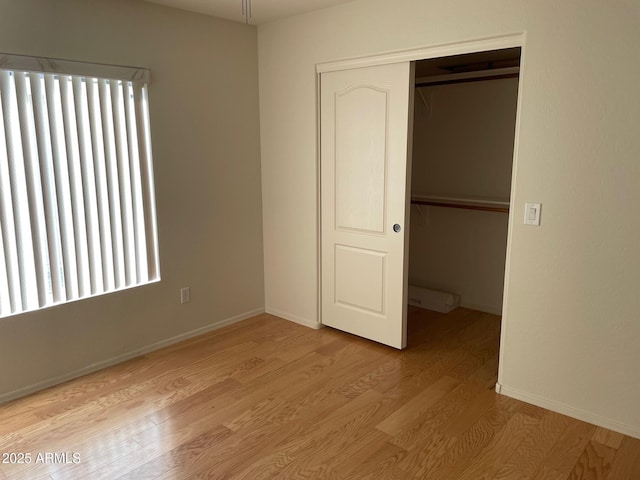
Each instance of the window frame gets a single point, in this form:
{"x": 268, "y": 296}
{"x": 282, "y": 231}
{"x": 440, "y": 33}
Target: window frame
{"x": 64, "y": 226}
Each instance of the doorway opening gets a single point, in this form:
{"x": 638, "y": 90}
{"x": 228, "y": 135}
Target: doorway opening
{"x": 382, "y": 226}
{"x": 464, "y": 123}
{"x": 463, "y": 138}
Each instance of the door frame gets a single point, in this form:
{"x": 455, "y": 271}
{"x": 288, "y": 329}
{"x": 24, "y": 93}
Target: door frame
{"x": 425, "y": 53}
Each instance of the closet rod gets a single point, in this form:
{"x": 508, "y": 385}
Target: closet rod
{"x": 484, "y": 208}
{"x": 496, "y": 74}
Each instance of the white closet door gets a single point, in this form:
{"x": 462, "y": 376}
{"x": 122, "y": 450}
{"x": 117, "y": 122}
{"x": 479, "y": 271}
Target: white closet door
{"x": 365, "y": 152}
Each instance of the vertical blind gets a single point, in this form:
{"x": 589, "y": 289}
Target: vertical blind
{"x": 77, "y": 208}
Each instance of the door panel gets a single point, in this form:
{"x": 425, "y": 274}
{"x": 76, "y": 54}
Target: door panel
{"x": 367, "y": 294}
{"x": 365, "y": 115}
{"x": 360, "y": 158}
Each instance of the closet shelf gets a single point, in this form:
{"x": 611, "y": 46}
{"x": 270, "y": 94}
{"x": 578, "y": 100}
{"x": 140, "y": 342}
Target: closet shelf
{"x": 468, "y": 202}
{"x": 477, "y": 76}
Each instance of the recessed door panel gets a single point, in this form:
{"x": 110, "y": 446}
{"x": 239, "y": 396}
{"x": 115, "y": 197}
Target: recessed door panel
{"x": 361, "y": 158}
{"x": 367, "y": 295}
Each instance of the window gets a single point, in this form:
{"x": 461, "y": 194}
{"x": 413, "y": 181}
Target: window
{"x": 77, "y": 208}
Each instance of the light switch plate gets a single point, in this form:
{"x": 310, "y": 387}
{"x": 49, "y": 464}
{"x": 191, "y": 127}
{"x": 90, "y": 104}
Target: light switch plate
{"x": 185, "y": 294}
{"x": 532, "y": 214}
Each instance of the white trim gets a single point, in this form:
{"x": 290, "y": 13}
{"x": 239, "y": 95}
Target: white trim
{"x": 493, "y": 309}
{"x": 293, "y": 318}
{"x": 633, "y": 431}
{"x": 27, "y": 63}
{"x": 446, "y": 50}
{"x": 513, "y": 218}
{"x": 21, "y": 392}
{"x": 319, "y": 205}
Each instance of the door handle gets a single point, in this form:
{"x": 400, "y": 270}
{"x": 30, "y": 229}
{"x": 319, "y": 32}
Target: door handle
{"x": 397, "y": 227}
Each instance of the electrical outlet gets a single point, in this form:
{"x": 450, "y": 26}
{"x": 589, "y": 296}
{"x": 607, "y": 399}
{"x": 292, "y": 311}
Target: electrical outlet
{"x": 185, "y": 295}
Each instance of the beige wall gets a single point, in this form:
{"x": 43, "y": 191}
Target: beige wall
{"x": 205, "y": 134}
{"x": 462, "y": 145}
{"x": 571, "y": 329}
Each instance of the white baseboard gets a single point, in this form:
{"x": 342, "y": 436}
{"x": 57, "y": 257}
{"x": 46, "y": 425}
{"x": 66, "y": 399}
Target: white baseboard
{"x": 293, "y": 318}
{"x": 632, "y": 431}
{"x": 482, "y": 308}
{"x": 21, "y": 392}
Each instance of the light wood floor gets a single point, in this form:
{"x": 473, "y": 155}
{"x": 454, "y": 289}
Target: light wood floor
{"x": 266, "y": 398}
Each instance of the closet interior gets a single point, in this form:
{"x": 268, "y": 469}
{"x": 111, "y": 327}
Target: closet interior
{"x": 463, "y": 139}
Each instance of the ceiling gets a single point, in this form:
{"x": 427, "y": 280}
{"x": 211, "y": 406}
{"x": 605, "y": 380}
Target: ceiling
{"x": 261, "y": 10}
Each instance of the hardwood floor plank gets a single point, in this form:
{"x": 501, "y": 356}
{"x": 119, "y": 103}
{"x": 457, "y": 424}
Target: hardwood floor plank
{"x": 492, "y": 458}
{"x": 458, "y": 424}
{"x": 382, "y": 463}
{"x": 608, "y": 438}
{"x": 345, "y": 430}
{"x": 548, "y": 474}
{"x": 529, "y": 456}
{"x": 430, "y": 454}
{"x": 405, "y": 416}
{"x": 132, "y": 401}
{"x": 626, "y": 463}
{"x": 265, "y": 468}
{"x": 288, "y": 376}
{"x": 357, "y": 451}
{"x": 445, "y": 409}
{"x": 79, "y": 387}
{"x": 269, "y": 399}
{"x": 66, "y": 437}
{"x": 436, "y": 459}
{"x": 264, "y": 368}
{"x": 232, "y": 456}
{"x": 390, "y": 370}
{"x": 531, "y": 410}
{"x": 283, "y": 449}
{"x": 487, "y": 374}
{"x": 262, "y": 411}
{"x": 188, "y": 453}
{"x": 96, "y": 456}
{"x": 154, "y": 442}
{"x": 569, "y": 447}
{"x": 294, "y": 470}
{"x": 594, "y": 463}
{"x": 342, "y": 426}
{"x": 201, "y": 398}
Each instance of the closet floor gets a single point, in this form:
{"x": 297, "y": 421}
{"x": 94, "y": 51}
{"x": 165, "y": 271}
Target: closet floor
{"x": 266, "y": 398}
